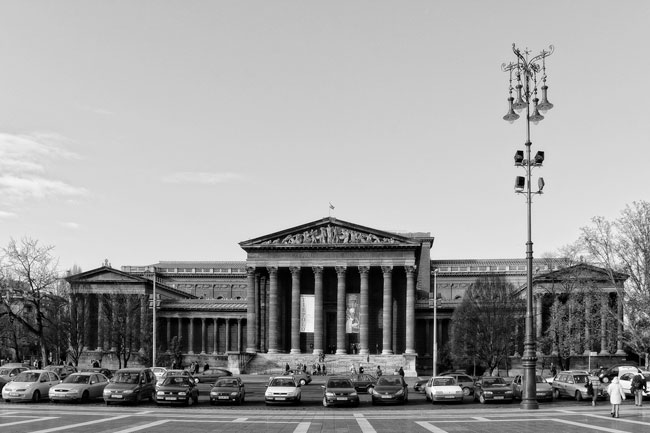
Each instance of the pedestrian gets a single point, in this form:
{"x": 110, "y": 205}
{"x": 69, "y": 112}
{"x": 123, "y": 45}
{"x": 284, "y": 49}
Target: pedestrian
{"x": 286, "y": 368}
{"x": 638, "y": 387}
{"x": 361, "y": 369}
{"x": 324, "y": 370}
{"x": 616, "y": 396}
{"x": 206, "y": 367}
{"x": 379, "y": 372}
{"x": 352, "y": 369}
{"x": 553, "y": 370}
{"x": 400, "y": 371}
{"x": 318, "y": 369}
{"x": 592, "y": 392}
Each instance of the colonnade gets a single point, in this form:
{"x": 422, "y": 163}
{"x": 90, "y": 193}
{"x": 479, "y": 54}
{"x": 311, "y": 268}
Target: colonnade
{"x": 263, "y": 309}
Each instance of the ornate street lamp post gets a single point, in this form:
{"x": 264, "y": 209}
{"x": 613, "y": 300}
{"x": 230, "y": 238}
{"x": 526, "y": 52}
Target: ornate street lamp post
{"x": 528, "y": 74}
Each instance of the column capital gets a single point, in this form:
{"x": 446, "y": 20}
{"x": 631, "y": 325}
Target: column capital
{"x": 295, "y": 270}
{"x": 250, "y": 270}
{"x": 341, "y": 270}
{"x": 272, "y": 269}
{"x": 364, "y": 269}
{"x": 410, "y": 269}
{"x": 387, "y": 269}
{"x": 317, "y": 270}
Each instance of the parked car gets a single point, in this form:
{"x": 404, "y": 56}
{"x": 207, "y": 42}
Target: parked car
{"x": 626, "y": 382}
{"x": 101, "y": 370}
{"x": 80, "y": 387}
{"x": 158, "y": 372}
{"x": 228, "y": 390}
{"x": 211, "y": 374}
{"x": 490, "y": 388}
{"x": 443, "y": 388}
{"x": 617, "y": 371}
{"x": 420, "y": 384}
{"x": 302, "y": 377}
{"x": 464, "y": 380}
{"x": 390, "y": 389}
{"x": 177, "y": 389}
{"x": 363, "y": 382}
{"x": 61, "y": 370}
{"x": 7, "y": 374}
{"x": 282, "y": 389}
{"x": 339, "y": 390}
{"x": 543, "y": 389}
{"x": 169, "y": 373}
{"x": 30, "y": 385}
{"x": 573, "y": 383}
{"x": 130, "y": 385}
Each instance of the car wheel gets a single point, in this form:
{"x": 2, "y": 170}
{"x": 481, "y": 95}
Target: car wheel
{"x": 466, "y": 391}
{"x": 36, "y": 396}
{"x": 578, "y": 396}
{"x": 325, "y": 401}
{"x": 481, "y": 399}
{"x": 303, "y": 382}
{"x": 426, "y": 396}
{"x": 556, "y": 393}
{"x": 85, "y": 397}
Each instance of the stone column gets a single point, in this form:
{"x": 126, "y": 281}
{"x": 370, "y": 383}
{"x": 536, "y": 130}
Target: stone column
{"x": 295, "y": 310}
{"x": 144, "y": 305}
{"x": 190, "y": 337}
{"x": 87, "y": 327}
{"x": 239, "y": 335}
{"x": 587, "y": 325}
{"x": 258, "y": 315}
{"x": 410, "y": 309}
{"x": 340, "y": 310}
{"x": 363, "y": 310}
{"x": 619, "y": 327}
{"x": 214, "y": 335}
{"x": 250, "y": 310}
{"x": 76, "y": 326}
{"x": 387, "y": 323}
{"x": 100, "y": 323}
{"x": 227, "y": 335}
{"x": 318, "y": 310}
{"x": 114, "y": 326}
{"x": 603, "y": 324}
{"x": 180, "y": 333}
{"x": 202, "y": 335}
{"x": 169, "y": 332}
{"x": 274, "y": 312}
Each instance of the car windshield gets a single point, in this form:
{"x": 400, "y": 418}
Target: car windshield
{"x": 447, "y": 381}
{"x": 580, "y": 378}
{"x": 389, "y": 381}
{"x": 77, "y": 378}
{"x": 177, "y": 381}
{"x": 27, "y": 377}
{"x": 126, "y": 377}
{"x": 176, "y": 373}
{"x": 540, "y": 379}
{"x": 339, "y": 383}
{"x": 493, "y": 381}
{"x": 4, "y": 372}
{"x": 283, "y": 382}
{"x": 227, "y": 383}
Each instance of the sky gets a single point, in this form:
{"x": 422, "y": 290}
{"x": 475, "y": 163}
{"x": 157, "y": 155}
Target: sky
{"x": 164, "y": 130}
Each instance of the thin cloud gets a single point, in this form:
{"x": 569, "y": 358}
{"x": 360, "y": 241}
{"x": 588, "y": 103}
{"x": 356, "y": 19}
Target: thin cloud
{"x": 7, "y": 215}
{"x": 70, "y": 225}
{"x": 204, "y": 178}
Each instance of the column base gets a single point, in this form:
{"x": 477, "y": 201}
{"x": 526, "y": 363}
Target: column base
{"x": 364, "y": 352}
{"x": 341, "y": 352}
{"x": 318, "y": 351}
{"x": 620, "y": 352}
{"x": 248, "y": 350}
{"x": 603, "y": 353}
{"x": 273, "y": 351}
{"x": 191, "y": 352}
{"x": 410, "y": 352}
{"x": 295, "y": 352}
{"x": 386, "y": 352}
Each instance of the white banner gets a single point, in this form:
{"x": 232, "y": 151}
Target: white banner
{"x": 306, "y": 313}
{"x": 352, "y": 314}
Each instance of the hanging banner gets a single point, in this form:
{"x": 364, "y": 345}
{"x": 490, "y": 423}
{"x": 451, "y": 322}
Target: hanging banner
{"x": 352, "y": 313}
{"x": 306, "y": 313}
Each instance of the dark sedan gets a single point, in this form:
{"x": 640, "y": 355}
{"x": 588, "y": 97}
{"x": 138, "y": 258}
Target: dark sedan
{"x": 228, "y": 390}
{"x": 492, "y": 389}
{"x": 363, "y": 382}
{"x": 211, "y": 375}
{"x": 177, "y": 389}
{"x": 390, "y": 389}
{"x": 339, "y": 390}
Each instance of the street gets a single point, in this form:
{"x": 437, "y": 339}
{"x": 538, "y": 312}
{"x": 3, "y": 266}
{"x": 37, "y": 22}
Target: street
{"x": 310, "y": 416}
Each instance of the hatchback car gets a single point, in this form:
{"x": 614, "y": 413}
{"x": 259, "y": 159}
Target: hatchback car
{"x": 228, "y": 390}
{"x": 363, "y": 382}
{"x": 626, "y": 382}
{"x": 465, "y": 381}
{"x": 443, "y": 388}
{"x": 339, "y": 390}
{"x": 130, "y": 385}
{"x": 7, "y": 374}
{"x": 492, "y": 388}
{"x": 30, "y": 385}
{"x": 61, "y": 370}
{"x": 302, "y": 377}
{"x": 574, "y": 384}
{"x": 543, "y": 389}
{"x": 169, "y": 373}
{"x": 282, "y": 389}
{"x": 617, "y": 371}
{"x": 80, "y": 387}
{"x": 177, "y": 389}
{"x": 211, "y": 374}
{"x": 390, "y": 389}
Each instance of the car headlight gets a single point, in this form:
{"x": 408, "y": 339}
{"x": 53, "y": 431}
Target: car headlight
{"x": 130, "y": 391}
{"x": 107, "y": 392}
{"x": 160, "y": 393}
{"x": 329, "y": 394}
{"x": 371, "y": 390}
{"x": 73, "y": 391}
{"x": 182, "y": 393}
{"x": 233, "y": 394}
{"x": 488, "y": 393}
{"x": 353, "y": 394}
{"x": 214, "y": 393}
{"x": 400, "y": 392}
{"x": 508, "y": 392}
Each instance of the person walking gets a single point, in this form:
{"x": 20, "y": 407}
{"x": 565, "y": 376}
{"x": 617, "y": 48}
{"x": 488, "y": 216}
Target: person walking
{"x": 638, "y": 387}
{"x": 400, "y": 371}
{"x": 616, "y": 396}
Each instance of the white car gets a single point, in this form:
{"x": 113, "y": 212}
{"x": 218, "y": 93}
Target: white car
{"x": 30, "y": 385}
{"x": 443, "y": 388}
{"x": 158, "y": 372}
{"x": 282, "y": 389}
{"x": 626, "y": 381}
{"x": 81, "y": 387}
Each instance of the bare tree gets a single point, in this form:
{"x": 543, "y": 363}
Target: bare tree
{"x": 482, "y": 324}
{"x": 32, "y": 297}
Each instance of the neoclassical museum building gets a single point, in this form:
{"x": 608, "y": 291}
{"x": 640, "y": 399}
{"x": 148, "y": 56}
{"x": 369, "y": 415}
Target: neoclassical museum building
{"x": 328, "y": 291}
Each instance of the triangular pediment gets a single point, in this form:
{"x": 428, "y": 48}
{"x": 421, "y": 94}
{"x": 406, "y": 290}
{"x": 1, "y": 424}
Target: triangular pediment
{"x": 582, "y": 272}
{"x": 328, "y": 232}
{"x": 105, "y": 274}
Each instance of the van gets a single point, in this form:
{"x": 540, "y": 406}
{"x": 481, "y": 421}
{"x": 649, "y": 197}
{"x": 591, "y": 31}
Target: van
{"x": 130, "y": 385}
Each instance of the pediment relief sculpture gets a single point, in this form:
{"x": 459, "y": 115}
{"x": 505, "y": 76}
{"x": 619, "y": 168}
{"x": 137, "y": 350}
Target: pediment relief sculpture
{"x": 330, "y": 234}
